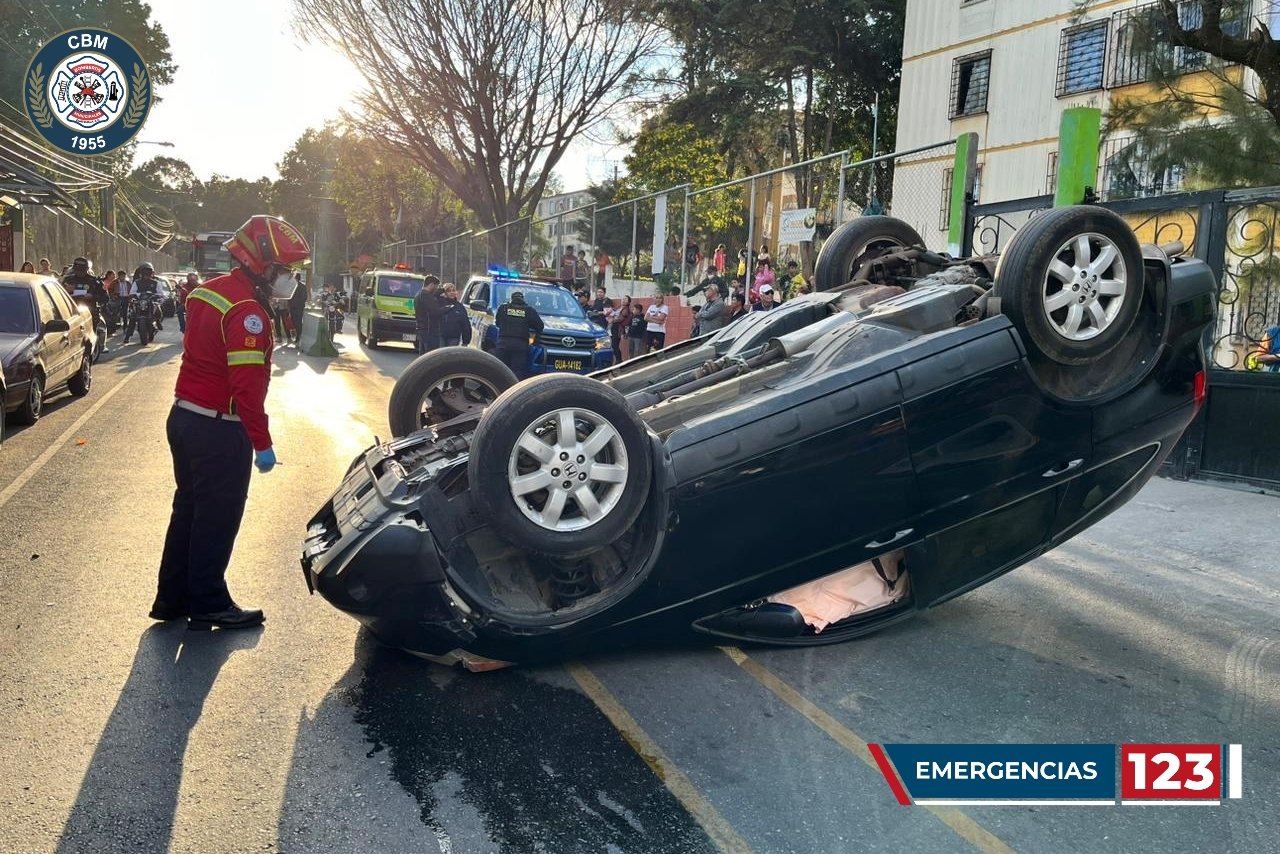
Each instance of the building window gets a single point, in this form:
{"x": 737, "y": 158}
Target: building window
{"x": 970, "y": 81}
{"x": 944, "y": 211}
{"x": 1081, "y": 58}
{"x": 1143, "y": 44}
{"x": 1130, "y": 171}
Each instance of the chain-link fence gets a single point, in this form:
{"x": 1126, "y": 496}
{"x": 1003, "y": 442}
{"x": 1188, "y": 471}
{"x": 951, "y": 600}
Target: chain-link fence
{"x": 60, "y": 236}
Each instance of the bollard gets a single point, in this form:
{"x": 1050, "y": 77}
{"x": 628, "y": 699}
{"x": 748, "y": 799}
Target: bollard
{"x": 315, "y": 340}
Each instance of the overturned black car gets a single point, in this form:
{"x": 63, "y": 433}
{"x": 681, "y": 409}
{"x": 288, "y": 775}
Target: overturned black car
{"x": 916, "y": 428}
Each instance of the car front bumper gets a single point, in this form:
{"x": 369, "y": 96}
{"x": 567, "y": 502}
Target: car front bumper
{"x": 394, "y": 329}
{"x": 547, "y": 360}
{"x": 368, "y": 553}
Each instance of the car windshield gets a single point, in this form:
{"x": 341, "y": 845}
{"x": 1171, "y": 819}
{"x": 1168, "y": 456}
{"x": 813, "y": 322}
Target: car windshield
{"x": 399, "y": 286}
{"x": 556, "y": 302}
{"x": 15, "y": 311}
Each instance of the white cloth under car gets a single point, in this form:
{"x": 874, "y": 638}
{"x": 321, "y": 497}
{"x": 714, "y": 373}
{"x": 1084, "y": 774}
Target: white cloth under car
{"x": 850, "y": 591}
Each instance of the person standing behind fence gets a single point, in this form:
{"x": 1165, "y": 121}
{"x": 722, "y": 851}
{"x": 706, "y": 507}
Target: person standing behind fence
{"x": 711, "y": 316}
{"x": 602, "y": 265}
{"x": 582, "y": 271}
{"x": 636, "y": 324}
{"x": 656, "y": 324}
{"x": 618, "y": 319}
{"x": 718, "y": 260}
{"x": 692, "y": 260}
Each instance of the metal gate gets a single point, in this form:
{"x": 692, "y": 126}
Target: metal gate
{"x": 1238, "y": 233}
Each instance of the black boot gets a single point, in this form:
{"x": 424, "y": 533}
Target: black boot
{"x": 234, "y": 617}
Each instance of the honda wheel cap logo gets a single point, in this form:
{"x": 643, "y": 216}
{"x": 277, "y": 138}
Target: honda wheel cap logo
{"x": 87, "y": 91}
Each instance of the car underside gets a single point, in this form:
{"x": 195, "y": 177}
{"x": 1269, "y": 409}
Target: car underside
{"x": 917, "y": 427}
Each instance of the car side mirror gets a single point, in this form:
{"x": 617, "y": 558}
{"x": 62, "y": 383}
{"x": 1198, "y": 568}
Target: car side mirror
{"x": 478, "y": 305}
{"x": 56, "y": 325}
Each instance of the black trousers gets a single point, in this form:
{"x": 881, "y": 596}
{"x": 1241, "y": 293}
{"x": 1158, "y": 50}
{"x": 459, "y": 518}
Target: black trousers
{"x": 212, "y": 461}
{"x": 515, "y": 355}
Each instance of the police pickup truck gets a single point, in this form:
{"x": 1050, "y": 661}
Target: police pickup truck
{"x": 569, "y": 341}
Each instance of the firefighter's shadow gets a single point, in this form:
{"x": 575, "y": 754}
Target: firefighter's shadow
{"x": 129, "y": 795}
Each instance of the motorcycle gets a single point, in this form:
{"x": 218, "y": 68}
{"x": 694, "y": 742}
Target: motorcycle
{"x": 142, "y": 308}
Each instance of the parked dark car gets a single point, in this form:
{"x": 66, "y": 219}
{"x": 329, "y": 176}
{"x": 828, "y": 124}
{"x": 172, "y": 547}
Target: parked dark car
{"x": 46, "y": 341}
{"x": 951, "y": 418}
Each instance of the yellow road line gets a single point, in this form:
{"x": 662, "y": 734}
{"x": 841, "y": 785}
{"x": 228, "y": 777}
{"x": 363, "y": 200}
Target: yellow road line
{"x": 702, "y": 810}
{"x": 957, "y": 820}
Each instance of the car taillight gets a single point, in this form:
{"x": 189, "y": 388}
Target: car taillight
{"x": 1200, "y": 387}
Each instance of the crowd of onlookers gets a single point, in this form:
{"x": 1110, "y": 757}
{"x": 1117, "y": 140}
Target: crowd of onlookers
{"x": 637, "y": 327}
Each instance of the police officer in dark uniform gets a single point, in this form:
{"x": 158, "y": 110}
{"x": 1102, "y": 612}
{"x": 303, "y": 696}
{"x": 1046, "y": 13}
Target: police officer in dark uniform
{"x": 87, "y": 289}
{"x": 515, "y": 320}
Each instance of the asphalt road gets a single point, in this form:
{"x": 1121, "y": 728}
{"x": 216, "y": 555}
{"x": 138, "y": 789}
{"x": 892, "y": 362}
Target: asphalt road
{"x": 1158, "y": 625}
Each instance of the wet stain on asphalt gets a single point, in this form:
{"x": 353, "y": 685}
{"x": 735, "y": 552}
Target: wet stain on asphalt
{"x": 539, "y": 763}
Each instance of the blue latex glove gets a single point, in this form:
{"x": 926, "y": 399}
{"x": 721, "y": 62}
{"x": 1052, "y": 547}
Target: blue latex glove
{"x": 265, "y": 460}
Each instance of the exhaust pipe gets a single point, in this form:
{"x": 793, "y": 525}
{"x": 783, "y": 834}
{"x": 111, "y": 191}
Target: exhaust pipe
{"x": 800, "y": 340}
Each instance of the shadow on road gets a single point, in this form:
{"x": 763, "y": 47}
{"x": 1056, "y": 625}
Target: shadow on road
{"x": 129, "y": 795}
{"x": 506, "y": 761}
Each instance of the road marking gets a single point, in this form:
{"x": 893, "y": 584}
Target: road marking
{"x": 974, "y": 833}
{"x": 702, "y": 810}
{"x": 39, "y": 462}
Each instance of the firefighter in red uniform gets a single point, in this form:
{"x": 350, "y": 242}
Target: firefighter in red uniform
{"x": 217, "y": 428}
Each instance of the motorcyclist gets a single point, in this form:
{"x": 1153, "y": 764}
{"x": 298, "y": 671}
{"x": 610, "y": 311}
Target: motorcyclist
{"x": 87, "y": 289}
{"x": 144, "y": 282}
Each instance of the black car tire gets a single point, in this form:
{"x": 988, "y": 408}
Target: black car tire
{"x": 486, "y": 373}
{"x": 535, "y": 409}
{"x": 856, "y": 242}
{"x": 82, "y": 381}
{"x": 1041, "y": 291}
{"x": 29, "y": 411}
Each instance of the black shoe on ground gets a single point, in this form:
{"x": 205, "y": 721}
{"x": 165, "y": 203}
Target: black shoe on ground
{"x": 234, "y": 617}
{"x": 164, "y": 612}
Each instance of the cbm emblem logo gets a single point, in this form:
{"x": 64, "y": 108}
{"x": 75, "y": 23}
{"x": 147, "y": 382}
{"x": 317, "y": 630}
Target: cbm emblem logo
{"x": 87, "y": 91}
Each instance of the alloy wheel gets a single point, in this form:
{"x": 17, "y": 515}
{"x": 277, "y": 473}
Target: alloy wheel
{"x": 1086, "y": 286}
{"x": 568, "y": 470}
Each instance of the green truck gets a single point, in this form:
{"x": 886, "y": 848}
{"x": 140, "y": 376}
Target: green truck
{"x": 384, "y": 309}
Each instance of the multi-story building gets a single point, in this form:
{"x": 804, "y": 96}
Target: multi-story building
{"x": 561, "y": 228}
{"x": 1007, "y": 69}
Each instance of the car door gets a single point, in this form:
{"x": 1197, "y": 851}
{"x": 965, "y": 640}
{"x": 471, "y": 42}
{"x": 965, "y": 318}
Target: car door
{"x": 477, "y": 290}
{"x": 793, "y": 486}
{"x": 364, "y": 305}
{"x": 56, "y": 351}
{"x": 989, "y": 450}
{"x": 80, "y": 328}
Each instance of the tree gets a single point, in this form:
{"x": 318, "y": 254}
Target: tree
{"x": 486, "y": 96}
{"x": 305, "y": 172}
{"x": 385, "y": 196}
